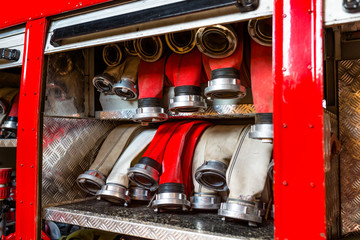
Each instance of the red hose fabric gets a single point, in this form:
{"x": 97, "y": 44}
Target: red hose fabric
{"x": 172, "y": 160}
{"x": 189, "y": 72}
{"x": 232, "y": 61}
{"x": 157, "y": 146}
{"x": 151, "y": 79}
{"x": 15, "y": 107}
{"x": 261, "y": 77}
{"x": 172, "y": 67}
{"x": 191, "y": 141}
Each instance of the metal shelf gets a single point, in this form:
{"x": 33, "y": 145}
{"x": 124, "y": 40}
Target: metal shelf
{"x": 8, "y": 142}
{"x": 141, "y": 221}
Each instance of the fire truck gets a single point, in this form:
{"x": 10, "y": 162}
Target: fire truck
{"x": 180, "y": 119}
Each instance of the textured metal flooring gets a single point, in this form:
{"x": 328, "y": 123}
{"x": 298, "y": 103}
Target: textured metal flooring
{"x": 141, "y": 221}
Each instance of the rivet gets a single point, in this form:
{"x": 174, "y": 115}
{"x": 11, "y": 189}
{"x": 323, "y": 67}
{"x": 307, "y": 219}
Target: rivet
{"x": 37, "y": 58}
{"x": 310, "y": 11}
{"x": 283, "y": 69}
{"x": 23, "y": 129}
{"x": 284, "y": 15}
{"x": 22, "y": 165}
{"x": 35, "y": 93}
{"x": 33, "y": 129}
{"x": 31, "y": 203}
{"x": 285, "y": 183}
{"x": 309, "y": 67}
{"x": 24, "y": 94}
{"x": 32, "y": 166}
{"x": 21, "y": 201}
{"x": 311, "y": 126}
{"x": 284, "y": 125}
{"x": 27, "y": 59}
{"x": 312, "y": 185}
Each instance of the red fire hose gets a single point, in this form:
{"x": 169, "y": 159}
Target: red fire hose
{"x": 151, "y": 83}
{"x": 9, "y": 126}
{"x": 147, "y": 171}
{"x": 184, "y": 71}
{"x": 191, "y": 141}
{"x": 224, "y": 74}
{"x": 172, "y": 190}
{"x": 262, "y": 90}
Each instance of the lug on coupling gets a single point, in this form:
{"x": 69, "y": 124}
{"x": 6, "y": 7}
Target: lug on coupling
{"x": 150, "y": 114}
{"x": 212, "y": 175}
{"x": 144, "y": 176}
{"x": 205, "y": 201}
{"x": 91, "y": 181}
{"x": 242, "y": 210}
{"x": 125, "y": 89}
{"x": 114, "y": 193}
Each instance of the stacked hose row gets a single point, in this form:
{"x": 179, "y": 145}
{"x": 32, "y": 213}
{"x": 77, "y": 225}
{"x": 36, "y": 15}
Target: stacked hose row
{"x": 187, "y": 164}
{"x": 217, "y": 61}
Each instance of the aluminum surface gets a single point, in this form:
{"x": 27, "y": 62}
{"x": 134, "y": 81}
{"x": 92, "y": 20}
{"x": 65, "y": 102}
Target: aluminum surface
{"x": 349, "y": 122}
{"x": 180, "y": 23}
{"x": 13, "y": 39}
{"x": 69, "y": 148}
{"x": 141, "y": 221}
{"x": 8, "y": 142}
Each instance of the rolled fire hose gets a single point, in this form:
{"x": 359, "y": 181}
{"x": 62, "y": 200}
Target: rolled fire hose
{"x": 126, "y": 87}
{"x": 117, "y": 183}
{"x": 191, "y": 141}
{"x": 171, "y": 193}
{"x": 7, "y": 96}
{"x": 262, "y": 91}
{"x": 203, "y": 198}
{"x": 149, "y": 49}
{"x": 92, "y": 180}
{"x": 223, "y": 69}
{"x": 185, "y": 73}
{"x": 105, "y": 81}
{"x": 9, "y": 127}
{"x": 219, "y": 147}
{"x": 151, "y": 83}
{"x": 246, "y": 177}
{"x": 130, "y": 48}
{"x": 181, "y": 42}
{"x": 147, "y": 171}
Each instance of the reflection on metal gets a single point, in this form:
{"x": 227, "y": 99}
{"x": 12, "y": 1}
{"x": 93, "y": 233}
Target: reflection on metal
{"x": 349, "y": 120}
{"x": 143, "y": 222}
{"x": 216, "y": 111}
{"x": 69, "y": 147}
{"x": 12, "y": 39}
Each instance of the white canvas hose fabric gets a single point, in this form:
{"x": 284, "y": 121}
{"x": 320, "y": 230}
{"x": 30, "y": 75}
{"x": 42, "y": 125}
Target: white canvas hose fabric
{"x": 220, "y": 144}
{"x": 117, "y": 183}
{"x": 116, "y": 142}
{"x": 203, "y": 198}
{"x": 246, "y": 177}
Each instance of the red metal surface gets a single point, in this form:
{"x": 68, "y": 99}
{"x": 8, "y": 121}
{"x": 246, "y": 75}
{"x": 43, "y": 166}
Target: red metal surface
{"x": 190, "y": 144}
{"x": 20, "y": 11}
{"x": 172, "y": 160}
{"x": 262, "y": 78}
{"x": 29, "y": 139}
{"x": 151, "y": 79}
{"x": 298, "y": 121}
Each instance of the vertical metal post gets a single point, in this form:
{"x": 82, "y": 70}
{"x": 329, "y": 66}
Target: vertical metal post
{"x": 298, "y": 120}
{"x": 28, "y": 169}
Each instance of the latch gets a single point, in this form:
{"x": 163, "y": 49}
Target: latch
{"x": 9, "y": 54}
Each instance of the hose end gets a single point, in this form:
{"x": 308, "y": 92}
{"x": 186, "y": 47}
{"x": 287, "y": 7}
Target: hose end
{"x": 140, "y": 194}
{"x": 263, "y": 128}
{"x": 145, "y": 176}
{"x": 242, "y": 210}
{"x": 114, "y": 193}
{"x": 225, "y": 83}
{"x": 91, "y": 181}
{"x": 171, "y": 197}
{"x": 104, "y": 83}
{"x": 212, "y": 175}
{"x": 205, "y": 201}
{"x": 181, "y": 42}
{"x": 125, "y": 89}
{"x": 260, "y": 30}
{"x": 150, "y": 114}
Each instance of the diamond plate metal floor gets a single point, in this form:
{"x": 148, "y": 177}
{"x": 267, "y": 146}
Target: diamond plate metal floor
{"x": 140, "y": 221}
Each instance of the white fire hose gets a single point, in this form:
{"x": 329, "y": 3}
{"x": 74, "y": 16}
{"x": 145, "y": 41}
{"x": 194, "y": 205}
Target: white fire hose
{"x": 126, "y": 87}
{"x": 117, "y": 184}
{"x": 246, "y": 177}
{"x": 219, "y": 147}
{"x": 203, "y": 198}
{"x": 92, "y": 180}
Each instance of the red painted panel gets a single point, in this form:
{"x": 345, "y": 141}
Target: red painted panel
{"x": 298, "y": 121}
{"x": 29, "y": 140}
{"x": 20, "y": 11}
